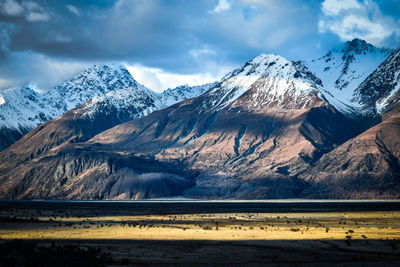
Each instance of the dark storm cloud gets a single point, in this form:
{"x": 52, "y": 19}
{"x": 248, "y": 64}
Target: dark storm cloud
{"x": 178, "y": 36}
{"x": 145, "y": 30}
{"x": 164, "y": 34}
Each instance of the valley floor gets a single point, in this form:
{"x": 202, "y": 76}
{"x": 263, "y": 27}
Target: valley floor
{"x": 175, "y": 234}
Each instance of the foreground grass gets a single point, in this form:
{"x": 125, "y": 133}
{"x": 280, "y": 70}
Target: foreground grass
{"x": 348, "y": 226}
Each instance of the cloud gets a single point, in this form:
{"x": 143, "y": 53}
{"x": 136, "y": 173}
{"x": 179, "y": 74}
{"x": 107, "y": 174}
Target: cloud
{"x": 73, "y": 10}
{"x": 36, "y": 16}
{"x": 11, "y": 7}
{"x": 223, "y": 5}
{"x": 351, "y": 19}
{"x": 334, "y": 7}
{"x": 31, "y": 11}
{"x": 158, "y": 80}
{"x": 179, "y": 41}
{"x": 6, "y": 83}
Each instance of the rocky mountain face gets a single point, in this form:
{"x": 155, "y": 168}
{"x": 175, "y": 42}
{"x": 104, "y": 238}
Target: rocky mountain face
{"x": 109, "y": 88}
{"x": 381, "y": 90}
{"x": 273, "y": 128}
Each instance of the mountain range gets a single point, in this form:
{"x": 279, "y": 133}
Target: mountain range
{"x": 109, "y": 88}
{"x": 273, "y": 128}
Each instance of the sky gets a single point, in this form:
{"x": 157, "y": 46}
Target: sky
{"x": 173, "y": 42}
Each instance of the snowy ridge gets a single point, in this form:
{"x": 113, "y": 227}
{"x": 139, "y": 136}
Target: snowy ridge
{"x": 382, "y": 87}
{"x": 272, "y": 78}
{"x": 137, "y": 101}
{"x": 343, "y": 69}
{"x": 172, "y": 96}
{"x": 23, "y": 109}
{"x": 92, "y": 82}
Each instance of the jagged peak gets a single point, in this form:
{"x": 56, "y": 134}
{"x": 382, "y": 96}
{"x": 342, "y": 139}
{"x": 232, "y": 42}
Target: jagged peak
{"x": 272, "y": 65}
{"x": 184, "y": 86}
{"x": 356, "y": 47}
{"x": 99, "y": 77}
{"x": 188, "y": 87}
{"x": 115, "y": 67}
{"x": 261, "y": 65}
{"x": 265, "y": 58}
{"x": 100, "y": 70}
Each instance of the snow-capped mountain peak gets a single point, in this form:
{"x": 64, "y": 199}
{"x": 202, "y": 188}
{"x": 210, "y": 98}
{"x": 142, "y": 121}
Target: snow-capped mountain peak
{"x": 358, "y": 46}
{"x": 94, "y": 81}
{"x": 22, "y": 109}
{"x": 272, "y": 65}
{"x": 269, "y": 81}
{"x": 344, "y": 68}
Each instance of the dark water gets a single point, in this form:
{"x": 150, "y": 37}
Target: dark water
{"x": 173, "y": 206}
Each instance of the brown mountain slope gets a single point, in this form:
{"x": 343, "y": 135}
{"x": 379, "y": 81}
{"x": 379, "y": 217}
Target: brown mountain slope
{"x": 239, "y": 153}
{"x": 367, "y": 166}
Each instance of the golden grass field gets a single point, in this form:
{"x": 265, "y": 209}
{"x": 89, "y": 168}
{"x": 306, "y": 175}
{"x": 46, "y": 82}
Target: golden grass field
{"x": 235, "y": 226}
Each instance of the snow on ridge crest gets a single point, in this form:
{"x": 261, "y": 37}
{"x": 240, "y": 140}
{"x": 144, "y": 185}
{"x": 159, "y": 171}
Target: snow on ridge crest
{"x": 272, "y": 65}
{"x": 94, "y": 81}
{"x": 270, "y": 75}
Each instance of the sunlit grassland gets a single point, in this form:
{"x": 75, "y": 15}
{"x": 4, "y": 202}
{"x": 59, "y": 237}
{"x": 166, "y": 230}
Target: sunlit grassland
{"x": 30, "y": 224}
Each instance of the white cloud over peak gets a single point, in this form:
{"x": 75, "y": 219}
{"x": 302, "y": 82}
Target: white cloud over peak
{"x": 159, "y": 80}
{"x": 353, "y": 19}
{"x": 334, "y": 7}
